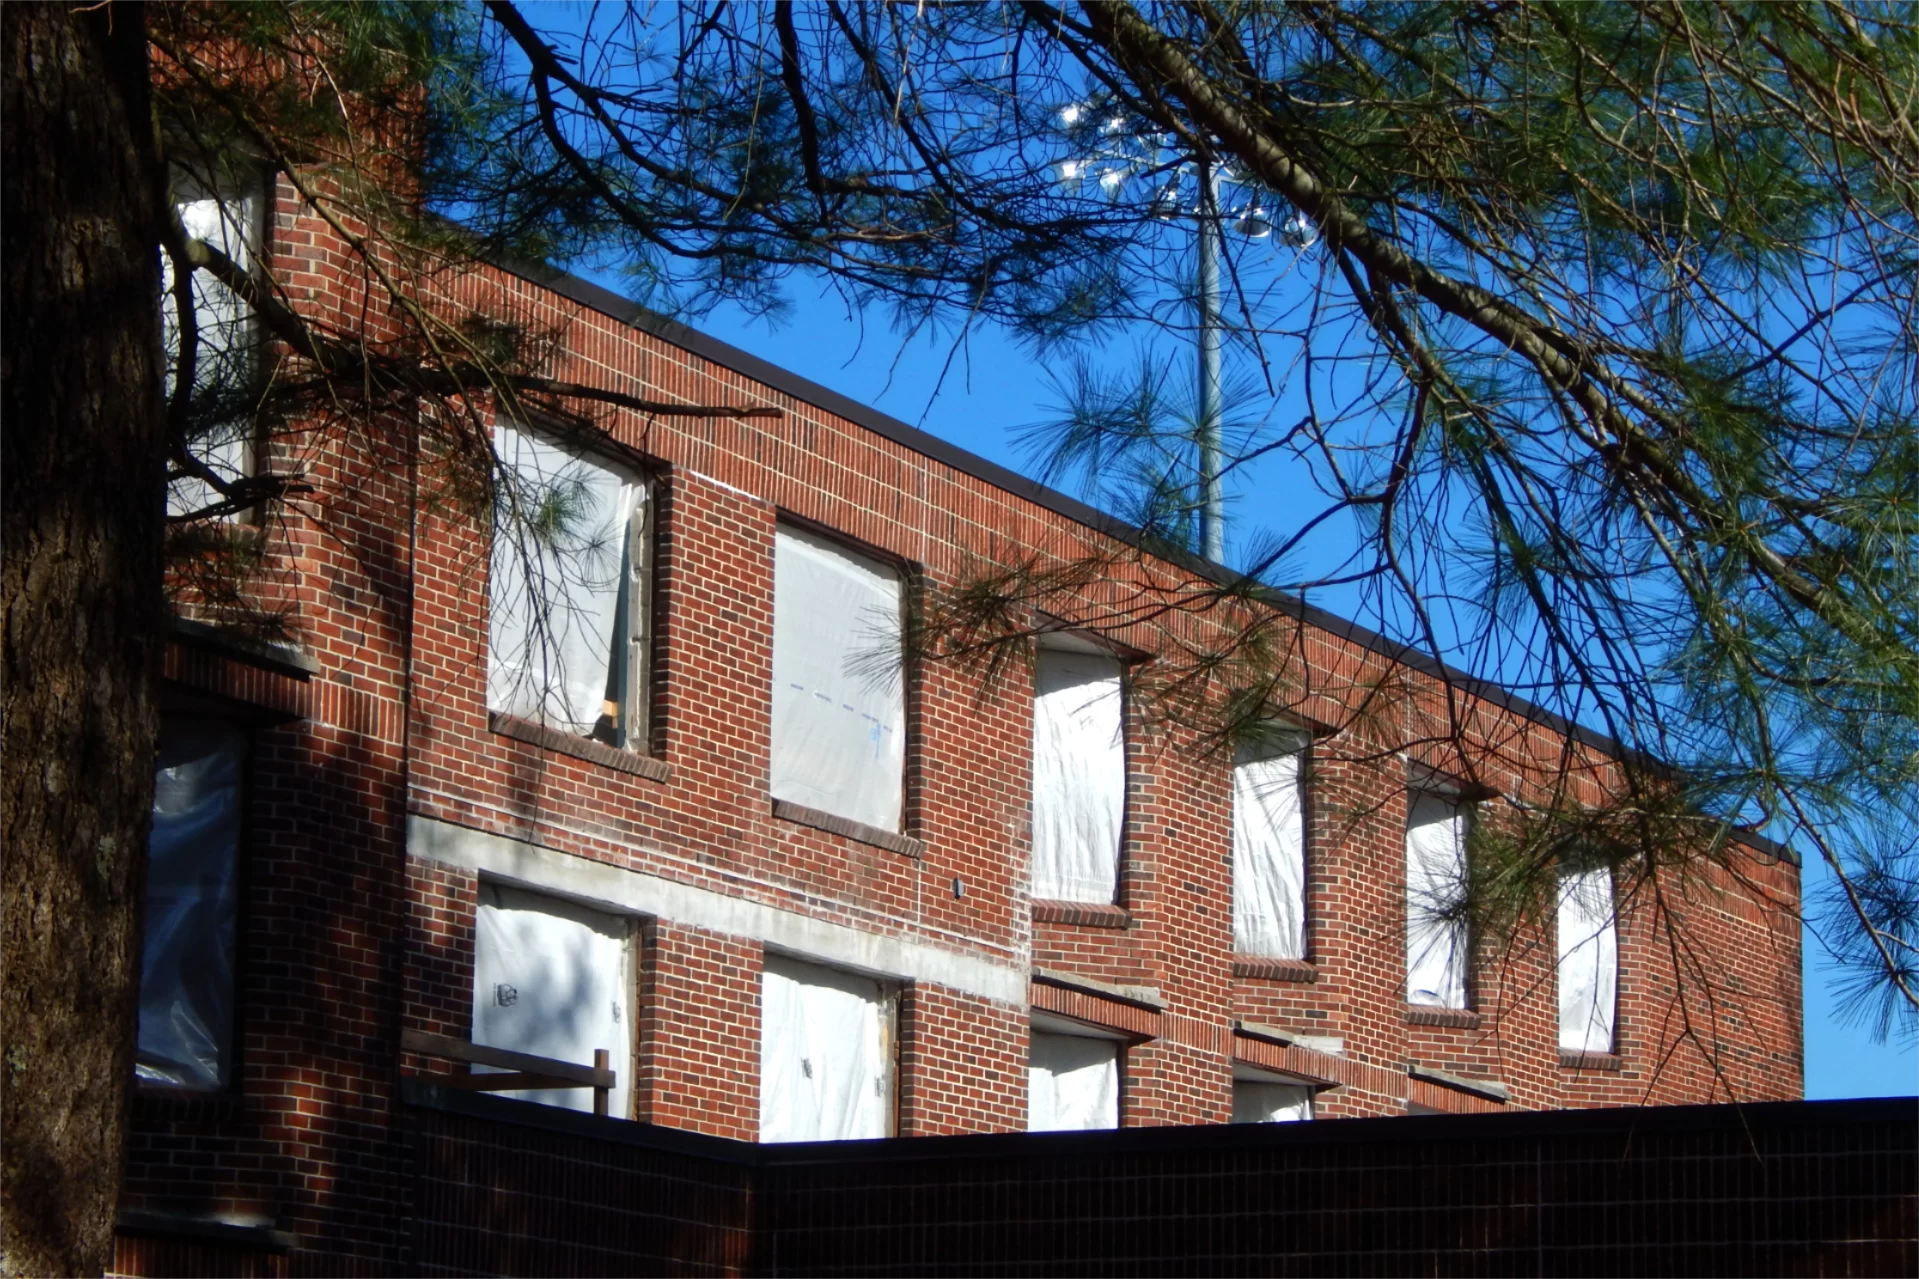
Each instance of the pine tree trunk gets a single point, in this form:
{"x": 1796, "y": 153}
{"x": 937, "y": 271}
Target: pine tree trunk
{"x": 81, "y": 613}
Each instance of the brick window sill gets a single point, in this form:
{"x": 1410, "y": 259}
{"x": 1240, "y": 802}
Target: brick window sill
{"x": 563, "y": 743}
{"x": 239, "y": 1234}
{"x": 1267, "y": 968}
{"x": 1085, "y": 914}
{"x": 891, "y": 840}
{"x": 1587, "y": 1061}
{"x": 1456, "y": 1018}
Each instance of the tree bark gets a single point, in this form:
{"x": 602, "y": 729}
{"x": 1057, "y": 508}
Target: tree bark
{"x": 81, "y": 612}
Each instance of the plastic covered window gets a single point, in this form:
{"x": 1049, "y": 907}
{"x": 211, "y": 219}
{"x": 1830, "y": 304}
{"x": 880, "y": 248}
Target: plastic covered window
{"x": 1079, "y": 775}
{"x": 1260, "y": 1101}
{"x": 825, "y": 1054}
{"x": 567, "y": 598}
{"x": 554, "y": 979}
{"x": 1437, "y": 943}
{"x": 1269, "y": 854}
{"x": 192, "y": 906}
{"x": 1588, "y": 961}
{"x": 1072, "y": 1083}
{"x": 221, "y": 425}
{"x": 839, "y": 697}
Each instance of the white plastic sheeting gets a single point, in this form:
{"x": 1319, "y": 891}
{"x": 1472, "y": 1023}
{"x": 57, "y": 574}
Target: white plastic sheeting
{"x": 1269, "y": 857}
{"x": 1588, "y": 961}
{"x": 1259, "y": 1101}
{"x": 825, "y": 1055}
{"x": 222, "y": 349}
{"x": 839, "y": 699}
{"x": 186, "y": 977}
{"x": 557, "y": 636}
{"x": 1079, "y": 776}
{"x": 1436, "y": 944}
{"x": 1072, "y": 1083}
{"x": 554, "y": 979}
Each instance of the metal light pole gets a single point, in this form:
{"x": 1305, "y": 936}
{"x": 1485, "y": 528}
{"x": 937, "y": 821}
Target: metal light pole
{"x": 1117, "y": 155}
{"x": 1212, "y": 500}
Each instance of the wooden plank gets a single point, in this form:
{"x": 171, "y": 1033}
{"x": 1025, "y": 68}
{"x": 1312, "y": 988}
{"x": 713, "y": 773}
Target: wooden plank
{"x": 445, "y": 1046}
{"x": 504, "y": 1082}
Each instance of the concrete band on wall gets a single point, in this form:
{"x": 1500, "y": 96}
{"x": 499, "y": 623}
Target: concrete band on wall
{"x": 637, "y": 893}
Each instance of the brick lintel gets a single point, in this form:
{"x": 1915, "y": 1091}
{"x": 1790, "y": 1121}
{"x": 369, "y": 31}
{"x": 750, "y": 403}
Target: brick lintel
{"x": 1077, "y": 1001}
{"x": 1490, "y": 1089}
{"x": 1139, "y": 996}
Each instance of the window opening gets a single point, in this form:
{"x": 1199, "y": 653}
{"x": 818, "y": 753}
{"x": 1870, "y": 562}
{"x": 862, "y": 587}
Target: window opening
{"x": 1072, "y": 1082}
{"x": 1262, "y": 1098}
{"x": 1436, "y": 934}
{"x": 224, "y": 350}
{"x": 567, "y": 628}
{"x": 192, "y": 907}
{"x": 554, "y": 979}
{"x": 1588, "y": 960}
{"x": 1269, "y": 853}
{"x": 1079, "y": 775}
{"x": 826, "y": 1060}
{"x": 839, "y": 695}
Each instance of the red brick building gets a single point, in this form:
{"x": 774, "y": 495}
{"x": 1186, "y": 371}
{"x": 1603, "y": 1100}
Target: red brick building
{"x": 697, "y": 813}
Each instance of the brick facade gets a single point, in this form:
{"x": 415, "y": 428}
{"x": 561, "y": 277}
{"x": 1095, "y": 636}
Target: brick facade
{"x": 382, "y": 792}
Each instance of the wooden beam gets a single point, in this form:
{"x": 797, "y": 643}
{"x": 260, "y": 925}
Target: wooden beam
{"x": 566, "y": 1074}
{"x": 505, "y": 1081}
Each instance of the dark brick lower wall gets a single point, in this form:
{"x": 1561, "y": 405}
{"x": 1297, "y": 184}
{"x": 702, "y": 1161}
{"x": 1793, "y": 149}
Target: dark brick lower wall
{"x": 568, "y": 1194}
{"x": 1777, "y": 1189}
{"x": 171, "y": 1256}
{"x": 504, "y": 1187}
{"x": 1781, "y": 1188}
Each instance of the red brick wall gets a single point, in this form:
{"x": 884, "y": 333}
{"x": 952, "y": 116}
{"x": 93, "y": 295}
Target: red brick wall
{"x": 347, "y": 938}
{"x": 962, "y": 1063}
{"x": 700, "y": 1031}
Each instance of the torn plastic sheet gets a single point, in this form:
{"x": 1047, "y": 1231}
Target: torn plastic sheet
{"x": 1588, "y": 961}
{"x": 554, "y": 979}
{"x": 186, "y": 977}
{"x": 1079, "y": 776}
{"x": 1436, "y": 941}
{"x": 556, "y": 632}
{"x": 1072, "y": 1083}
{"x": 825, "y": 1064}
{"x": 1269, "y": 858}
{"x": 1261, "y": 1102}
{"x": 839, "y": 701}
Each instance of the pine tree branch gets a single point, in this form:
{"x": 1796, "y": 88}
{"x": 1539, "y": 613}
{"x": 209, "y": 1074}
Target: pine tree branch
{"x": 1562, "y": 361}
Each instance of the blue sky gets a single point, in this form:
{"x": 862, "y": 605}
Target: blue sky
{"x": 988, "y": 388}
